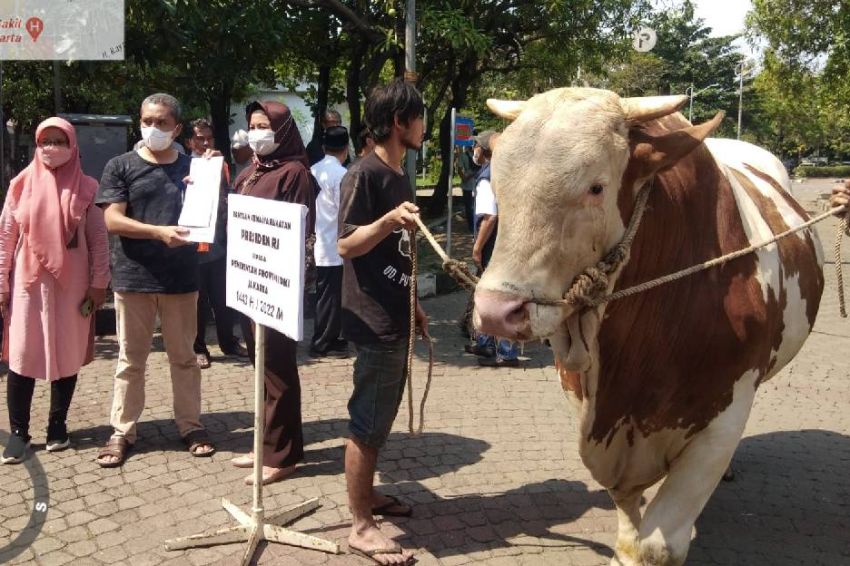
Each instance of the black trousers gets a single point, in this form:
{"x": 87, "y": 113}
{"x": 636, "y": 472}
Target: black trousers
{"x": 19, "y": 392}
{"x": 328, "y": 322}
{"x": 469, "y": 210}
{"x": 211, "y": 294}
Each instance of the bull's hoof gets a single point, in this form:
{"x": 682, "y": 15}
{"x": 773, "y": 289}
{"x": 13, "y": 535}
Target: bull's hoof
{"x": 729, "y": 475}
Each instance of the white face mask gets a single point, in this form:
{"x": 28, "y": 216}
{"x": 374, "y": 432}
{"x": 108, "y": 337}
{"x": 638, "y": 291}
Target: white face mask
{"x": 262, "y": 141}
{"x": 156, "y": 139}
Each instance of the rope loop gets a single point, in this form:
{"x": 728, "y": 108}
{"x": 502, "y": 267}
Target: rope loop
{"x": 459, "y": 271}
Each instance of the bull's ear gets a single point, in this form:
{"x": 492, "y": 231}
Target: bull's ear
{"x": 654, "y": 154}
{"x": 507, "y": 109}
{"x": 645, "y": 108}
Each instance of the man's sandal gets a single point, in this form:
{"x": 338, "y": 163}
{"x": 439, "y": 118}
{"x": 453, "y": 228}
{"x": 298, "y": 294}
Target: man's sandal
{"x": 197, "y": 439}
{"x": 118, "y": 447}
{"x": 374, "y": 553}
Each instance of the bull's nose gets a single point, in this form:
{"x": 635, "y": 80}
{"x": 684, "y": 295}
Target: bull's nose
{"x": 500, "y": 314}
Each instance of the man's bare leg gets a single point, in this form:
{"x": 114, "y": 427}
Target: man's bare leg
{"x": 360, "y": 461}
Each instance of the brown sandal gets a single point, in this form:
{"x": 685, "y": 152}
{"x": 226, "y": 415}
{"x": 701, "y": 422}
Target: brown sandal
{"x": 117, "y": 447}
{"x": 195, "y": 440}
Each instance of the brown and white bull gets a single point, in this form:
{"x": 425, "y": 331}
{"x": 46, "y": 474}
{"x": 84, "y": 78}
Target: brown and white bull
{"x": 663, "y": 380}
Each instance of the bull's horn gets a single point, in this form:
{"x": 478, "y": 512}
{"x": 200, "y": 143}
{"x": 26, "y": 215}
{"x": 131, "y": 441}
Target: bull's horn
{"x": 507, "y": 109}
{"x": 645, "y": 108}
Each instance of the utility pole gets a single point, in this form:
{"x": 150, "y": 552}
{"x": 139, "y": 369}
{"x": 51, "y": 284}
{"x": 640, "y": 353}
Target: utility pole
{"x": 57, "y": 87}
{"x": 740, "y": 94}
{"x": 410, "y": 76}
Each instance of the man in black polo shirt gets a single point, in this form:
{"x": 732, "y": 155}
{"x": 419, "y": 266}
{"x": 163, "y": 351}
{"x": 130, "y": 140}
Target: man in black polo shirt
{"x": 154, "y": 272}
{"x": 375, "y": 238}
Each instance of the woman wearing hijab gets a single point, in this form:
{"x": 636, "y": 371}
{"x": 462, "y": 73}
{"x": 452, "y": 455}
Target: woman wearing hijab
{"x": 280, "y": 171}
{"x": 54, "y": 270}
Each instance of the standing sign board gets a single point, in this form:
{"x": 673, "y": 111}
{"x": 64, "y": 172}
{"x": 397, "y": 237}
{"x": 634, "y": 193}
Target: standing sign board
{"x": 61, "y": 30}
{"x": 265, "y": 262}
{"x": 463, "y": 131}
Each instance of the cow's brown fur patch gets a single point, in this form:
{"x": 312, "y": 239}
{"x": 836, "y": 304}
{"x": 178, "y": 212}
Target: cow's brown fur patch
{"x": 670, "y": 356}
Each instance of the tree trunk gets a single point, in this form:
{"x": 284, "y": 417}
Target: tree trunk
{"x": 323, "y": 86}
{"x": 460, "y": 88}
{"x": 352, "y": 92}
{"x": 441, "y": 191}
{"x": 219, "y": 102}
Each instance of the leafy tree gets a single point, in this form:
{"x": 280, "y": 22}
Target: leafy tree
{"x": 809, "y": 49}
{"x": 216, "y": 49}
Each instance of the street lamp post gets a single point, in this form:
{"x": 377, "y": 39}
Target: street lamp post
{"x": 690, "y": 91}
{"x": 740, "y": 67}
{"x": 410, "y": 76}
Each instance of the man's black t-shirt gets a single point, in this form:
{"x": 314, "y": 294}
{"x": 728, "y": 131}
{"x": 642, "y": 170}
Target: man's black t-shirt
{"x": 154, "y": 195}
{"x": 376, "y": 285}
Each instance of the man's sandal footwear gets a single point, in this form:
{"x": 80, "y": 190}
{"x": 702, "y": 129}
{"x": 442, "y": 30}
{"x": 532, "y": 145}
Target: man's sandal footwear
{"x": 195, "y": 440}
{"x": 118, "y": 447}
{"x": 371, "y": 554}
{"x": 387, "y": 508}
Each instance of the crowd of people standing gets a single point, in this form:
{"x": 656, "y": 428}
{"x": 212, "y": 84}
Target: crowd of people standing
{"x": 65, "y": 238}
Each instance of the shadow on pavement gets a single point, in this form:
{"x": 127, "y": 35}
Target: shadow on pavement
{"x": 789, "y": 503}
{"x": 538, "y": 515}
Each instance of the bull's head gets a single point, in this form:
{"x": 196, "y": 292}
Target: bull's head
{"x": 566, "y": 173}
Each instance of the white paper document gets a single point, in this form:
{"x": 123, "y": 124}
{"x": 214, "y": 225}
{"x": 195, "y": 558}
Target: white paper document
{"x": 200, "y": 203}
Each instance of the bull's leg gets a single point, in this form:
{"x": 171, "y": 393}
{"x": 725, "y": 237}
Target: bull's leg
{"x": 628, "y": 523}
{"x": 665, "y": 531}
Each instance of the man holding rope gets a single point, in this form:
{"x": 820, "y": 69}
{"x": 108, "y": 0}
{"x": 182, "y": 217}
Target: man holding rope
{"x": 376, "y": 224}
{"x": 840, "y": 195}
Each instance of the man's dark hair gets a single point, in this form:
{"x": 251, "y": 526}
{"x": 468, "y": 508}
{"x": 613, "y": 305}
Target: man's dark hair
{"x": 332, "y": 114}
{"x": 335, "y": 139}
{"x": 200, "y": 123}
{"x": 399, "y": 98}
{"x": 363, "y": 135}
{"x": 166, "y": 100}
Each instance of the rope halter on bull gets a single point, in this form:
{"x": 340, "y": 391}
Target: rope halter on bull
{"x": 590, "y": 288}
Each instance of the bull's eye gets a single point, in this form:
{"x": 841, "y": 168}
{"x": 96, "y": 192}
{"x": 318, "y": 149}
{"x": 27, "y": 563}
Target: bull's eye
{"x": 596, "y": 190}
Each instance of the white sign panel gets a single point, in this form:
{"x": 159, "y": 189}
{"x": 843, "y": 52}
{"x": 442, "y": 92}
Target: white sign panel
{"x": 644, "y": 39}
{"x": 65, "y": 30}
{"x": 265, "y": 262}
{"x": 200, "y": 202}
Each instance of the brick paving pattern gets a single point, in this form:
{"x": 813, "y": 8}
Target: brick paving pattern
{"x": 496, "y": 478}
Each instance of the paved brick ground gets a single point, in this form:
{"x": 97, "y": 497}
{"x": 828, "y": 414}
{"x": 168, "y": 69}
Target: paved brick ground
{"x": 496, "y": 478}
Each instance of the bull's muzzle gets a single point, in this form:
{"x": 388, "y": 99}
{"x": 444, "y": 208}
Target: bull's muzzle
{"x": 501, "y": 314}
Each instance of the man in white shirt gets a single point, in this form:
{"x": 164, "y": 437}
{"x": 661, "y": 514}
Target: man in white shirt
{"x": 329, "y": 173}
{"x": 501, "y": 353}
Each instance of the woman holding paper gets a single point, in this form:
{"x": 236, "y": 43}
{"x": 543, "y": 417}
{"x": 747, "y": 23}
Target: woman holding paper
{"x": 54, "y": 270}
{"x": 280, "y": 171}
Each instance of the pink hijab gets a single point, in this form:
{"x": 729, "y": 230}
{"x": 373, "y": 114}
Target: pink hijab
{"x": 48, "y": 205}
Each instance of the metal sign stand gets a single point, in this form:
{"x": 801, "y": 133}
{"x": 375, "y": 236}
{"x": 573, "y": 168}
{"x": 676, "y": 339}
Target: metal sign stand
{"x": 257, "y": 526}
